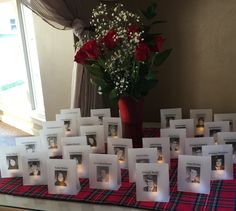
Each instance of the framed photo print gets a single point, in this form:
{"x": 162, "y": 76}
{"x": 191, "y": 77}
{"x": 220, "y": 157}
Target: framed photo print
{"x": 119, "y": 147}
{"x": 62, "y": 177}
{"x": 212, "y": 128}
{"x": 112, "y": 127}
{"x": 194, "y": 174}
{"x": 193, "y": 146}
{"x": 73, "y": 141}
{"x": 152, "y": 182}
{"x": 10, "y": 162}
{"x": 162, "y": 145}
{"x": 34, "y": 168}
{"x": 200, "y": 116}
{"x": 170, "y": 114}
{"x": 100, "y": 113}
{"x": 51, "y": 138}
{"x": 52, "y": 125}
{"x": 140, "y": 155}
{"x": 187, "y": 124}
{"x": 104, "y": 172}
{"x": 221, "y": 161}
{"x": 74, "y": 111}
{"x": 231, "y": 118}
{"x": 95, "y": 137}
{"x": 81, "y": 155}
{"x": 228, "y": 138}
{"x": 177, "y": 137}
{"x": 70, "y": 123}
{"x": 30, "y": 144}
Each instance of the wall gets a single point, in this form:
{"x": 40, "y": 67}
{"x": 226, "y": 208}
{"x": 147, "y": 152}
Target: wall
{"x": 200, "y": 73}
{"x": 56, "y": 53}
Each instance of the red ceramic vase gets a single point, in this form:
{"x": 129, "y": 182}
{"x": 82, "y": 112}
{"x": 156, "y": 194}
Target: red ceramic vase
{"x": 131, "y": 112}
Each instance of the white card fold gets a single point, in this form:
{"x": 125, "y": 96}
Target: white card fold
{"x": 169, "y": 114}
{"x": 162, "y": 145}
{"x": 30, "y": 144}
{"x": 221, "y": 161}
{"x": 152, "y": 182}
{"x": 95, "y": 137}
{"x": 140, "y": 155}
{"x": 187, "y": 124}
{"x": 193, "y": 146}
{"x": 194, "y": 174}
{"x": 85, "y": 121}
{"x": 70, "y": 123}
{"x": 104, "y": 172}
{"x": 177, "y": 137}
{"x": 230, "y": 117}
{"x": 53, "y": 125}
{"x": 75, "y": 111}
{"x": 81, "y": 155}
{"x": 100, "y": 113}
{"x": 76, "y": 140}
{"x": 119, "y": 147}
{"x": 62, "y": 177}
{"x": 112, "y": 127}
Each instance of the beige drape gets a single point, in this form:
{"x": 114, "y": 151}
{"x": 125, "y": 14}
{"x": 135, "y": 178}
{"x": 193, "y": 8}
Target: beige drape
{"x": 71, "y": 14}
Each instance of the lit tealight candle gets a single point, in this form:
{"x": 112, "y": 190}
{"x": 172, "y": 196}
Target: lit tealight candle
{"x": 200, "y": 131}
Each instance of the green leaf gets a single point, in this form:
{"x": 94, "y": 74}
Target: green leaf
{"x": 95, "y": 70}
{"x": 113, "y": 96}
{"x": 150, "y": 12}
{"x": 151, "y": 76}
{"x": 161, "y": 57}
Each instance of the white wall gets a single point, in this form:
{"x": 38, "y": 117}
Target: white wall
{"x": 56, "y": 55}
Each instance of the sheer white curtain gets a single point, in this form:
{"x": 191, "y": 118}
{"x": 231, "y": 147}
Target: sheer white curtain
{"x": 71, "y": 14}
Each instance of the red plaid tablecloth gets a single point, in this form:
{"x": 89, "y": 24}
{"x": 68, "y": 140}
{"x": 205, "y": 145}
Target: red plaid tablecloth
{"x": 222, "y": 195}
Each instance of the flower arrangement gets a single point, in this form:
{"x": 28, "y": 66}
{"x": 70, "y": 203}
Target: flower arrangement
{"x": 123, "y": 55}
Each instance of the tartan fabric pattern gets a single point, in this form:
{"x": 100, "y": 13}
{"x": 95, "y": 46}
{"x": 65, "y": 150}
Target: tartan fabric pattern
{"x": 222, "y": 196}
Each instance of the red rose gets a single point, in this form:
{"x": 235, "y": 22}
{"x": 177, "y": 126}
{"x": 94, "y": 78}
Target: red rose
{"x": 131, "y": 30}
{"x": 90, "y": 50}
{"x": 110, "y": 39}
{"x": 159, "y": 41}
{"x": 142, "y": 52}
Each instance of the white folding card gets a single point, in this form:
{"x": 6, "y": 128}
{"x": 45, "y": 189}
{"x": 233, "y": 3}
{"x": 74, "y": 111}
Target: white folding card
{"x": 177, "y": 137}
{"x": 100, "y": 113}
{"x": 85, "y": 121}
{"x": 51, "y": 138}
{"x": 95, "y": 137}
{"x": 162, "y": 145}
{"x": 221, "y": 161}
{"x": 112, "y": 127}
{"x": 193, "y": 146}
{"x": 194, "y": 174}
{"x": 119, "y": 147}
{"x": 228, "y": 138}
{"x": 70, "y": 123}
{"x": 62, "y": 177}
{"x": 34, "y": 168}
{"x": 170, "y": 114}
{"x": 10, "y": 162}
{"x": 187, "y": 124}
{"x": 230, "y": 117}
{"x": 200, "y": 116}
{"x": 140, "y": 155}
{"x": 75, "y": 111}
{"x": 76, "y": 140}
{"x": 30, "y": 144}
{"x": 53, "y": 125}
{"x": 212, "y": 128}
{"x": 81, "y": 155}
{"x": 104, "y": 172}
{"x": 152, "y": 182}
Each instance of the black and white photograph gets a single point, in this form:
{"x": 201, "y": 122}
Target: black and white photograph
{"x": 217, "y": 162}
{"x": 100, "y": 117}
{"x": 197, "y": 150}
{"x": 91, "y": 140}
{"x": 159, "y": 153}
{"x": 214, "y": 131}
{"x": 168, "y": 118}
{"x": 34, "y": 168}
{"x": 150, "y": 183}
{"x": 52, "y": 142}
{"x": 67, "y": 124}
{"x": 12, "y": 162}
{"x": 112, "y": 130}
{"x": 60, "y": 178}
{"x": 142, "y": 160}
{"x": 192, "y": 174}
{"x": 233, "y": 144}
{"x": 77, "y": 157}
{"x": 102, "y": 173}
{"x": 120, "y": 152}
{"x": 174, "y": 144}
{"x": 30, "y": 148}
{"x": 200, "y": 122}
